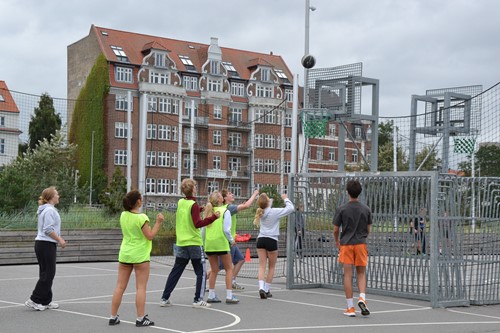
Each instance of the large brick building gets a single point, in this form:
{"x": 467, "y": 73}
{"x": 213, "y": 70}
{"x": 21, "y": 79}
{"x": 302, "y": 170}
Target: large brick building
{"x": 241, "y": 133}
{"x": 9, "y": 126}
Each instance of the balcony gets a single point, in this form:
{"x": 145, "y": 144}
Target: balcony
{"x": 239, "y": 150}
{"x": 237, "y": 125}
{"x": 200, "y": 147}
{"x": 198, "y": 121}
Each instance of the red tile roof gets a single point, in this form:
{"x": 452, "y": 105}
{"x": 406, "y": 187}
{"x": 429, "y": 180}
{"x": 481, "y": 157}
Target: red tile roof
{"x": 7, "y": 103}
{"x": 134, "y": 43}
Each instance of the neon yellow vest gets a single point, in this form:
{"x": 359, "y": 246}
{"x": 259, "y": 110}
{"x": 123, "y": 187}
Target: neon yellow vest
{"x": 233, "y": 223}
{"x": 186, "y": 233}
{"x": 135, "y": 247}
{"x": 215, "y": 239}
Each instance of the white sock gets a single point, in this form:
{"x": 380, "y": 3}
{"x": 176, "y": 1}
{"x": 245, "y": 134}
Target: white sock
{"x": 266, "y": 287}
{"x": 261, "y": 284}
{"x": 363, "y": 296}
{"x": 140, "y": 318}
{"x": 350, "y": 303}
{"x": 211, "y": 293}
{"x": 229, "y": 293}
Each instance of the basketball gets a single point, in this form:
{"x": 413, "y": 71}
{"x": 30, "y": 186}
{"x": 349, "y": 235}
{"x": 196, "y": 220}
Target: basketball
{"x": 308, "y": 61}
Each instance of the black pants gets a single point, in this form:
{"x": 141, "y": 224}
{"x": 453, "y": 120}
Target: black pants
{"x": 46, "y": 256}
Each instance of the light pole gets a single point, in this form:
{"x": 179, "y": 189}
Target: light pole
{"x": 309, "y": 9}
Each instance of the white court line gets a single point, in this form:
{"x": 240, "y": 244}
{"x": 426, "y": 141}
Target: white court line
{"x": 473, "y": 314}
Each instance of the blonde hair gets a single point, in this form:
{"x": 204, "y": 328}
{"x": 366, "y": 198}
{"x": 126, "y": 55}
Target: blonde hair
{"x": 187, "y": 187}
{"x": 47, "y": 195}
{"x": 262, "y": 203}
{"x": 213, "y": 201}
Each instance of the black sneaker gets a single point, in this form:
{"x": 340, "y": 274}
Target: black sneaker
{"x": 144, "y": 322}
{"x": 262, "y": 294}
{"x": 269, "y": 295}
{"x": 114, "y": 321}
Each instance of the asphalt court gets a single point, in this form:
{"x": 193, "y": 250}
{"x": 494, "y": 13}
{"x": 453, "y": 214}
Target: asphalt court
{"x": 84, "y": 290}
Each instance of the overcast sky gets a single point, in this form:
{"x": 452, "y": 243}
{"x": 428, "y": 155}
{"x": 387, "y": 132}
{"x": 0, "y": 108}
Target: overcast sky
{"x": 409, "y": 45}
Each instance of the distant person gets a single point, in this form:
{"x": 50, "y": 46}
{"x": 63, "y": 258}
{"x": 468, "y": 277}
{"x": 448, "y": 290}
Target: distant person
{"x": 236, "y": 255}
{"x": 352, "y": 222}
{"x": 188, "y": 245}
{"x": 268, "y": 221}
{"x": 299, "y": 231}
{"x": 218, "y": 243}
{"x": 134, "y": 255}
{"x": 419, "y": 226}
{"x": 47, "y": 238}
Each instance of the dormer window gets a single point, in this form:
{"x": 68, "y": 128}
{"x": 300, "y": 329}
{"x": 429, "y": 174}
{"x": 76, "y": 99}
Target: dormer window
{"x": 266, "y": 74}
{"x": 214, "y": 67}
{"x": 160, "y": 60}
{"x": 280, "y": 74}
{"x": 187, "y": 63}
{"x": 230, "y": 69}
{"x": 1, "y": 98}
{"x": 119, "y": 53}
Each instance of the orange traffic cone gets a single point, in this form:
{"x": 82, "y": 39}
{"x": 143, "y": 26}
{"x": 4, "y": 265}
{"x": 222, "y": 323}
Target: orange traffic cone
{"x": 247, "y": 255}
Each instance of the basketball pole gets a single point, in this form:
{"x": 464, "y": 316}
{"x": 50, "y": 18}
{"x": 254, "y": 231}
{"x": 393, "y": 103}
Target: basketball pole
{"x": 295, "y": 114}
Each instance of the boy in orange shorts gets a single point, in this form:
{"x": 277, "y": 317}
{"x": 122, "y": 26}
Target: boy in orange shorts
{"x": 354, "y": 219}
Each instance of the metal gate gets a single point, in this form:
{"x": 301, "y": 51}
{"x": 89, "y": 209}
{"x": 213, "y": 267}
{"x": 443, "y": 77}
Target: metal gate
{"x": 454, "y": 261}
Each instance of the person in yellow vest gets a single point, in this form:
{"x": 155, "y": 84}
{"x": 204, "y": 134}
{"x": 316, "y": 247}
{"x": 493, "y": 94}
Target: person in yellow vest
{"x": 189, "y": 244}
{"x": 218, "y": 243}
{"x": 236, "y": 255}
{"x": 134, "y": 255}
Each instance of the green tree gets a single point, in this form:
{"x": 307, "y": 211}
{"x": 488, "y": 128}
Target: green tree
{"x": 386, "y": 149}
{"x": 385, "y": 132}
{"x": 432, "y": 162}
{"x": 272, "y": 193}
{"x": 487, "y": 158}
{"x": 44, "y": 123}
{"x": 112, "y": 197}
{"x": 51, "y": 163}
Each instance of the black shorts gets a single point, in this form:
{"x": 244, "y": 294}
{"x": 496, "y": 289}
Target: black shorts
{"x": 216, "y": 253}
{"x": 267, "y": 243}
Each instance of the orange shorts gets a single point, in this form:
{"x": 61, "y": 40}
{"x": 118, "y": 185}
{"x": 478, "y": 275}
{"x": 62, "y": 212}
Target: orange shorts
{"x": 356, "y": 255}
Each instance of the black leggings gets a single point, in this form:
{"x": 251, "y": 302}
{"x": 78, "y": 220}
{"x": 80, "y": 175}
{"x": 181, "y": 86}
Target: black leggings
{"x": 46, "y": 255}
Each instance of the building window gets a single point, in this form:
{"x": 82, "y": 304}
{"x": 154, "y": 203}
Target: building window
{"x": 217, "y": 111}
{"x": 265, "y": 91}
{"x": 269, "y": 166}
{"x": 237, "y": 89}
{"x": 187, "y": 62}
{"x": 270, "y": 117}
{"x": 121, "y": 130}
{"x": 357, "y": 132}
{"x": 234, "y": 163}
{"x": 2, "y": 146}
{"x": 331, "y": 129}
{"x": 158, "y": 78}
{"x": 236, "y": 115}
{"x": 162, "y": 158}
{"x": 287, "y": 167}
{"x": 150, "y": 158}
{"x": 119, "y": 53}
{"x": 331, "y": 154}
{"x": 187, "y": 159}
{"x": 259, "y": 165}
{"x": 288, "y": 119}
{"x": 265, "y": 74}
{"x": 217, "y": 137}
{"x": 235, "y": 189}
{"x": 213, "y": 186}
{"x": 259, "y": 140}
{"x": 121, "y": 103}
{"x": 259, "y": 115}
{"x": 234, "y": 139}
{"x": 170, "y": 160}
{"x": 288, "y": 143}
{"x": 173, "y": 186}
{"x": 280, "y": 74}
{"x": 120, "y": 157}
{"x": 190, "y": 83}
{"x": 160, "y": 60}
{"x": 152, "y": 104}
{"x": 214, "y": 85}
{"x": 123, "y": 74}
{"x": 163, "y": 186}
{"x": 269, "y": 141}
{"x": 151, "y": 131}
{"x": 217, "y": 163}
{"x": 319, "y": 153}
{"x": 354, "y": 156}
{"x": 289, "y": 95}
{"x": 150, "y": 185}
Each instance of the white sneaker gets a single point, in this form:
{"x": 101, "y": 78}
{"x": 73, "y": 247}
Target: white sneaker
{"x": 201, "y": 304}
{"x": 35, "y": 306}
{"x": 52, "y": 305}
{"x": 165, "y": 302}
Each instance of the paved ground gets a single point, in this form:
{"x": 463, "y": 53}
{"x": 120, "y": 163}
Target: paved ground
{"x": 84, "y": 292}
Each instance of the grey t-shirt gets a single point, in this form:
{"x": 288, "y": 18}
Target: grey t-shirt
{"x": 353, "y": 219}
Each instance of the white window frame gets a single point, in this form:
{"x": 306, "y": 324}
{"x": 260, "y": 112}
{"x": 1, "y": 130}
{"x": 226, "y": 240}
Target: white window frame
{"x": 151, "y": 158}
{"x": 259, "y": 115}
{"x": 269, "y": 141}
{"x": 217, "y": 137}
{"x": 217, "y": 163}
{"x": 120, "y": 157}
{"x": 259, "y": 140}
{"x": 259, "y": 165}
{"x": 151, "y": 131}
{"x": 234, "y": 139}
{"x": 238, "y": 89}
{"x": 217, "y": 111}
{"x": 234, "y": 163}
{"x": 150, "y": 185}
{"x": 121, "y": 130}
{"x": 235, "y": 189}
{"x": 123, "y": 74}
